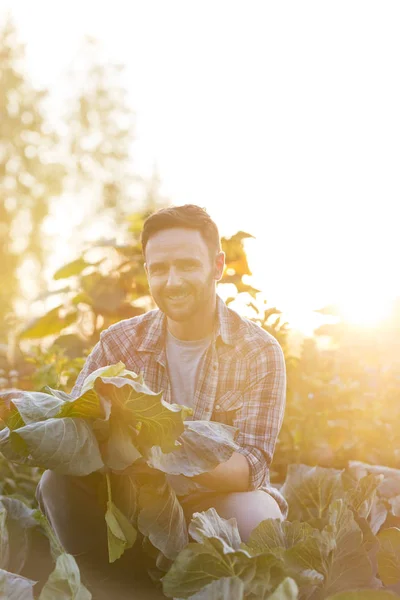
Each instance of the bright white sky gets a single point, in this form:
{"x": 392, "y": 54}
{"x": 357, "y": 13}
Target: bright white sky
{"x": 281, "y": 118}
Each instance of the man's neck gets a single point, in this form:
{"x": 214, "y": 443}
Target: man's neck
{"x": 197, "y": 328}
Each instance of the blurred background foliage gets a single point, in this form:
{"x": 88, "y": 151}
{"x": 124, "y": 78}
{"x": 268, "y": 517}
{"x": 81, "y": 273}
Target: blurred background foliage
{"x": 342, "y": 396}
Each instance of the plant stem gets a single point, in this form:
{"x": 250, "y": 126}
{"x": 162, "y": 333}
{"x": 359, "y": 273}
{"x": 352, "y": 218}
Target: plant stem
{"x": 109, "y": 487}
{"x": 55, "y": 544}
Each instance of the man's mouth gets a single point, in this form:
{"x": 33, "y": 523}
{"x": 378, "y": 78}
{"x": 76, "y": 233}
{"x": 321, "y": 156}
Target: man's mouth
{"x": 178, "y": 297}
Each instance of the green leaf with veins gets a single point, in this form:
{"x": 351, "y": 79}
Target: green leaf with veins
{"x": 119, "y": 451}
{"x": 361, "y": 494}
{"x": 198, "y": 565}
{"x": 203, "y": 446}
{"x": 310, "y": 492}
{"x": 158, "y": 422}
{"x": 125, "y": 490}
{"x": 217, "y": 555}
{"x": 345, "y": 561}
{"x": 221, "y": 589}
{"x": 389, "y": 555}
{"x": 15, "y": 587}
{"x": 67, "y": 446}
{"x": 14, "y": 419}
{"x": 87, "y": 406}
{"x": 287, "y": 590}
{"x": 115, "y": 370}
{"x": 37, "y": 406}
{"x": 19, "y": 521}
{"x": 64, "y": 583}
{"x": 297, "y": 545}
{"x": 12, "y": 451}
{"x": 209, "y": 524}
{"x": 161, "y": 517}
{"x": 4, "y": 545}
{"x": 364, "y": 595}
{"x": 121, "y": 534}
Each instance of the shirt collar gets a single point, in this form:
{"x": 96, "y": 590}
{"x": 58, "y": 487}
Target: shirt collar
{"x": 154, "y": 338}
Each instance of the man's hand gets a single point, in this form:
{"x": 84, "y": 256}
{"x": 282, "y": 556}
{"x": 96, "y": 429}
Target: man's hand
{"x": 230, "y": 476}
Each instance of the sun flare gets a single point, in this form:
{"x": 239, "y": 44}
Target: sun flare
{"x": 366, "y": 311}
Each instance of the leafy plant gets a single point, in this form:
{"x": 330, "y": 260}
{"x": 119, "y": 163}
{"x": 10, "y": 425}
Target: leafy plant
{"x": 118, "y": 426}
{"x": 17, "y": 521}
{"x": 333, "y": 547}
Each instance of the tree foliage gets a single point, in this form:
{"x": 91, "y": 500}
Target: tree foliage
{"x": 30, "y": 173}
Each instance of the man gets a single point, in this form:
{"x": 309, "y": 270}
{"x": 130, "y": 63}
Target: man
{"x": 202, "y": 354}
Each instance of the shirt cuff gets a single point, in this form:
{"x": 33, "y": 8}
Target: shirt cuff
{"x": 259, "y": 472}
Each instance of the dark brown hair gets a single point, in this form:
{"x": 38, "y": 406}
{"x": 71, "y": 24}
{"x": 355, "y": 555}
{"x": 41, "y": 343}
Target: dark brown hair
{"x": 188, "y": 216}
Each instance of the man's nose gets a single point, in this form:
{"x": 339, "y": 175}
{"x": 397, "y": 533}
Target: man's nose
{"x": 174, "y": 278}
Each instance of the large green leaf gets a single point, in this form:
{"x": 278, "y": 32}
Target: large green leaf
{"x": 276, "y": 536}
{"x": 158, "y": 422}
{"x": 14, "y": 419}
{"x": 346, "y": 565}
{"x": 287, "y": 590}
{"x": 72, "y": 268}
{"x": 195, "y": 567}
{"x": 87, "y": 406}
{"x": 184, "y": 486}
{"x": 64, "y": 583}
{"x": 364, "y": 595}
{"x": 19, "y": 521}
{"x": 12, "y": 453}
{"x": 121, "y": 534}
{"x": 119, "y": 451}
{"x": 37, "y": 406}
{"x": 222, "y": 589}
{"x": 361, "y": 494}
{"x": 4, "y": 545}
{"x": 296, "y": 544}
{"x": 126, "y": 493}
{"x": 198, "y": 565}
{"x": 161, "y": 517}
{"x": 108, "y": 371}
{"x": 15, "y": 587}
{"x": 66, "y": 446}
{"x": 209, "y": 524}
{"x": 204, "y": 445}
{"x": 310, "y": 491}
{"x": 389, "y": 555}
{"x": 50, "y": 324}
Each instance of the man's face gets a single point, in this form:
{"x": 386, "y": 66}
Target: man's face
{"x": 181, "y": 273}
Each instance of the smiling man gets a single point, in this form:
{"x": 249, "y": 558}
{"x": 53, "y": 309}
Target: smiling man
{"x": 202, "y": 354}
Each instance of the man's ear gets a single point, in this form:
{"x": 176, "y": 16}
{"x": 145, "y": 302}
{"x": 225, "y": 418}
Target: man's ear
{"x": 219, "y": 265}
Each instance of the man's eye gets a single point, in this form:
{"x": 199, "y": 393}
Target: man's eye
{"x": 157, "y": 270}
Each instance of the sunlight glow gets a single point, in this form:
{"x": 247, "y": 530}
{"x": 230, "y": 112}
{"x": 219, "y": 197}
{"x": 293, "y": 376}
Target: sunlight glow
{"x": 366, "y": 310}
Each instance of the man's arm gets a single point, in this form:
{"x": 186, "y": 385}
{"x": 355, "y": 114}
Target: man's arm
{"x": 230, "y": 476}
{"x": 259, "y": 421}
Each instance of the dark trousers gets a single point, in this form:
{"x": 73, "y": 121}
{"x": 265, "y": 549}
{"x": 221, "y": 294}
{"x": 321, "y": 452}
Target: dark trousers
{"x": 75, "y": 508}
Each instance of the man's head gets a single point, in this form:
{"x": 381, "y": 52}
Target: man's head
{"x": 183, "y": 260}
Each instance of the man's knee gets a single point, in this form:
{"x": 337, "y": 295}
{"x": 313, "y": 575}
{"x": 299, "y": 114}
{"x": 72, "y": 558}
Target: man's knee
{"x": 249, "y": 509}
{"x": 46, "y": 490}
{"x": 70, "y": 506}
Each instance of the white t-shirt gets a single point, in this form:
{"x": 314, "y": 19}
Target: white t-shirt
{"x": 184, "y": 359}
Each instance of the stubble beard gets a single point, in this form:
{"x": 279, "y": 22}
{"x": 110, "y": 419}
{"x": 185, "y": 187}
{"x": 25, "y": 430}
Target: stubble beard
{"x": 197, "y": 302}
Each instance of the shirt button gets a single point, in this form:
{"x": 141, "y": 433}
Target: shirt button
{"x": 217, "y": 406}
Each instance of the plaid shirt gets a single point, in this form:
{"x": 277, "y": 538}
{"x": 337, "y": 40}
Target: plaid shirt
{"x": 242, "y": 380}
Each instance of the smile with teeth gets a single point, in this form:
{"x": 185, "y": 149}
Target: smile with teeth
{"x": 181, "y": 296}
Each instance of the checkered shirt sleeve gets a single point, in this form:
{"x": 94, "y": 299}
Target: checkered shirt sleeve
{"x": 260, "y": 418}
